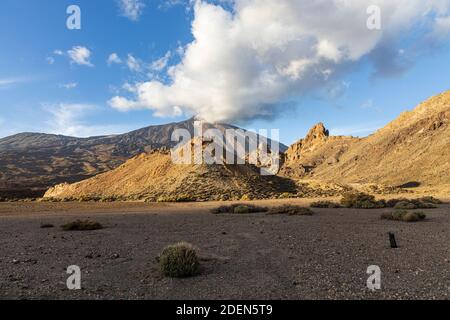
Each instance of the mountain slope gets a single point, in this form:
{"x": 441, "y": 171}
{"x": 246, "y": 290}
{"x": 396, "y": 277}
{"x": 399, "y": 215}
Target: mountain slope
{"x": 154, "y": 175}
{"x": 413, "y": 148}
{"x": 38, "y": 161}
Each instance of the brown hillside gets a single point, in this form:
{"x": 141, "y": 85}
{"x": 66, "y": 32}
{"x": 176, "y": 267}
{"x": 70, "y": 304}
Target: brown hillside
{"x": 32, "y": 162}
{"x": 154, "y": 176}
{"x": 413, "y": 148}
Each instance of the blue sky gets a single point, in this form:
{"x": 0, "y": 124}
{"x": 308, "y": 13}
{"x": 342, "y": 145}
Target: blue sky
{"x": 45, "y": 89}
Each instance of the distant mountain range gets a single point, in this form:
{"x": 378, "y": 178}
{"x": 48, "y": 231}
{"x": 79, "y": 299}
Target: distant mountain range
{"x": 32, "y": 162}
{"x": 412, "y": 150}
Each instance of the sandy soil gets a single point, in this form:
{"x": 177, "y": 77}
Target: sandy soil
{"x": 255, "y": 256}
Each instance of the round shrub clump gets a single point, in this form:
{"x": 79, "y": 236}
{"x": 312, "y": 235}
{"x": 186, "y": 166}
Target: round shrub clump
{"x": 241, "y": 209}
{"x": 291, "y": 210}
{"x": 405, "y": 205}
{"x": 410, "y": 217}
{"x": 361, "y": 200}
{"x": 404, "y": 215}
{"x": 325, "y": 204}
{"x": 82, "y": 225}
{"x": 179, "y": 261}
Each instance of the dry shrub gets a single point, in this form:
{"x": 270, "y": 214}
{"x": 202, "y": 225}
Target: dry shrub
{"x": 430, "y": 199}
{"x": 325, "y": 204}
{"x": 46, "y": 226}
{"x": 82, "y": 225}
{"x": 179, "y": 261}
{"x": 291, "y": 210}
{"x": 403, "y": 215}
{"x": 361, "y": 200}
{"x": 239, "y": 209}
{"x": 176, "y": 198}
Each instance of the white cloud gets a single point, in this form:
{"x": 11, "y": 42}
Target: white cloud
{"x": 70, "y": 119}
{"x": 132, "y": 9}
{"x": 442, "y": 27}
{"x": 133, "y": 64}
{"x": 7, "y": 82}
{"x": 167, "y": 4}
{"x": 161, "y": 63}
{"x": 66, "y": 119}
{"x": 368, "y": 104}
{"x": 243, "y": 62}
{"x": 356, "y": 130}
{"x": 70, "y": 85}
{"x": 114, "y": 59}
{"x": 50, "y": 60}
{"x": 80, "y": 55}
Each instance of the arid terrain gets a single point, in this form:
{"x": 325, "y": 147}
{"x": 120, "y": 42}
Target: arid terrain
{"x": 147, "y": 202}
{"x": 254, "y": 256}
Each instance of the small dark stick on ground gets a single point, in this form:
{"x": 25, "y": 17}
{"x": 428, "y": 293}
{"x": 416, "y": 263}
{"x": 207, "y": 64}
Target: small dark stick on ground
{"x": 392, "y": 240}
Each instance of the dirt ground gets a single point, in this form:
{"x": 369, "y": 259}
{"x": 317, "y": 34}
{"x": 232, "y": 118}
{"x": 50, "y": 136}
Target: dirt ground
{"x": 255, "y": 256}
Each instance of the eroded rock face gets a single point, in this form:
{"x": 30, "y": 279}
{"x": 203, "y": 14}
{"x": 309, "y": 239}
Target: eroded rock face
{"x": 317, "y": 148}
{"x": 315, "y": 137}
{"x": 415, "y": 147}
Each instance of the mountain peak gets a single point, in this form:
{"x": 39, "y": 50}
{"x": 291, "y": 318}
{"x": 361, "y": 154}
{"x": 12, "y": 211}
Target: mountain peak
{"x": 317, "y": 132}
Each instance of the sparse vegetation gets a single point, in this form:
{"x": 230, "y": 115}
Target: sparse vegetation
{"x": 421, "y": 203}
{"x": 430, "y": 199}
{"x": 361, "y": 200}
{"x": 239, "y": 209}
{"x": 404, "y": 215}
{"x": 246, "y": 197}
{"x": 287, "y": 195}
{"x": 325, "y": 204}
{"x": 176, "y": 198}
{"x": 47, "y": 225}
{"x": 405, "y": 205}
{"x": 82, "y": 225}
{"x": 413, "y": 204}
{"x": 179, "y": 260}
{"x": 291, "y": 210}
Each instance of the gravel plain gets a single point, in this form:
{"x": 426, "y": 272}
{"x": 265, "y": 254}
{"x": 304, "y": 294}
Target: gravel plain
{"x": 254, "y": 256}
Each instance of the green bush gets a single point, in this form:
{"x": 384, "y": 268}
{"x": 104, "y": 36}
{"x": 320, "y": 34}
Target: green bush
{"x": 179, "y": 260}
{"x": 403, "y": 215}
{"x": 291, "y": 210}
{"x": 239, "y": 209}
{"x": 361, "y": 200}
{"x": 81, "y": 225}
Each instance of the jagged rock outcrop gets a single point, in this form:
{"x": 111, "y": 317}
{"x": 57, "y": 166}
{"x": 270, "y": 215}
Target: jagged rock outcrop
{"x": 413, "y": 148}
{"x": 317, "y": 148}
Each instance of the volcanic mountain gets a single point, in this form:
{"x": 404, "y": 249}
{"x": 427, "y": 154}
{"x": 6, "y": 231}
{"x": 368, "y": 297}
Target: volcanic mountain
{"x": 414, "y": 149}
{"x": 32, "y": 162}
{"x": 155, "y": 177}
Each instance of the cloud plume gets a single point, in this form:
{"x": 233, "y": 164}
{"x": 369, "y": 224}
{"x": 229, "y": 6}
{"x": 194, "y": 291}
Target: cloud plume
{"x": 248, "y": 61}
